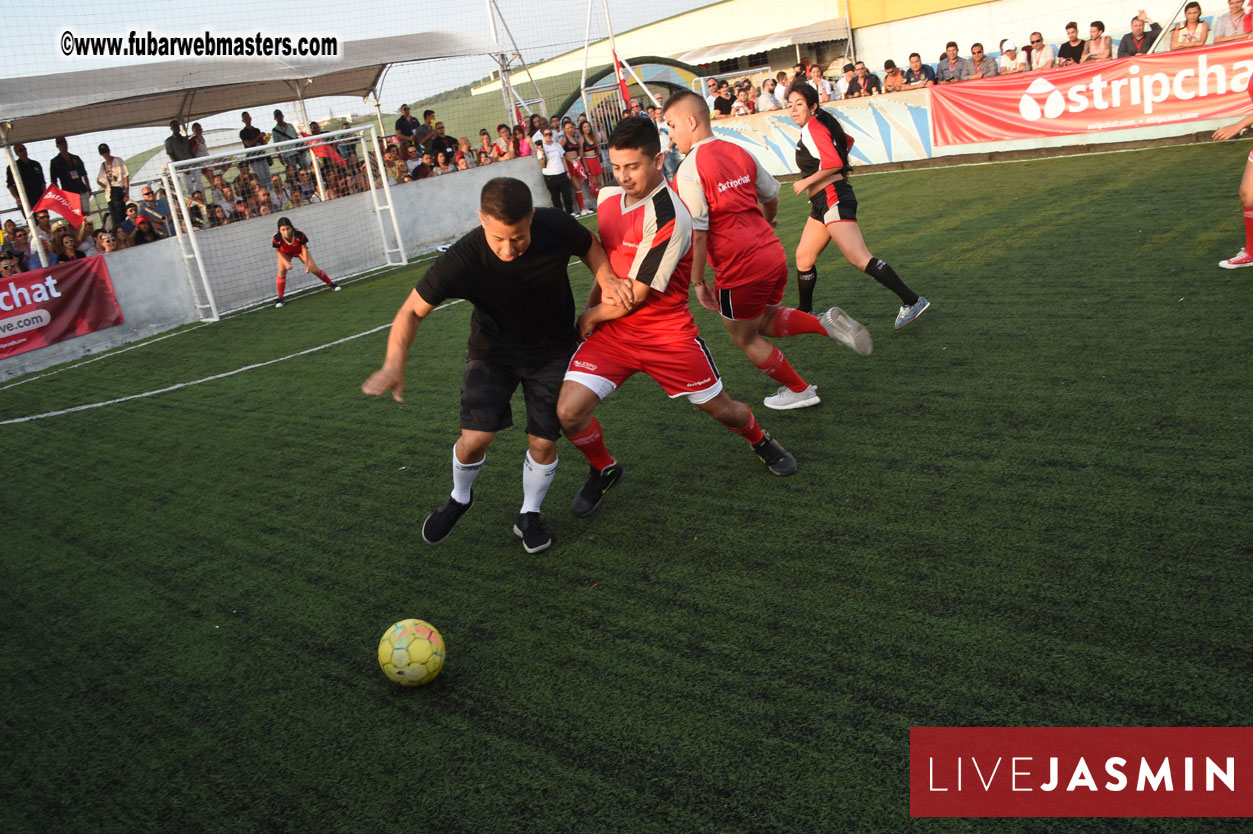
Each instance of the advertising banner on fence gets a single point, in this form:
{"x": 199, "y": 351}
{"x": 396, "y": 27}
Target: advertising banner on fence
{"x": 43, "y": 306}
{"x": 1183, "y": 86}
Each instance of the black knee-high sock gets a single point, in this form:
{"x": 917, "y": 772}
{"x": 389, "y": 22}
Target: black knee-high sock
{"x": 887, "y": 276}
{"x": 805, "y": 281}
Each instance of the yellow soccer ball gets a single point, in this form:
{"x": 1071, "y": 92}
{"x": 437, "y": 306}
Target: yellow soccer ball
{"x": 411, "y": 652}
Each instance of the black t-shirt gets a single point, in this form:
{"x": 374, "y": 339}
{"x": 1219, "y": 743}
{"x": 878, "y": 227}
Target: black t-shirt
{"x": 249, "y": 133}
{"x": 723, "y": 105}
{"x": 523, "y": 309}
{"x": 1074, "y": 53}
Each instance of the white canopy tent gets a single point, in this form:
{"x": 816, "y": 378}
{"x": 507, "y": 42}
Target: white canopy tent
{"x": 151, "y": 94}
{"x": 827, "y": 30}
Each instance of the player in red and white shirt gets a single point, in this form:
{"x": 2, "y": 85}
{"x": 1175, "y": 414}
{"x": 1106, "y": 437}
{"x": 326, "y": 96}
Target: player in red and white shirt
{"x": 645, "y": 325}
{"x": 822, "y": 156}
{"x": 1245, "y": 256}
{"x": 721, "y": 184}
{"x": 290, "y": 243}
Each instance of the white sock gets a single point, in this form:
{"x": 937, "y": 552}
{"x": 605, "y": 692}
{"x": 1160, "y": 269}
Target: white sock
{"x": 463, "y": 475}
{"x": 536, "y": 479}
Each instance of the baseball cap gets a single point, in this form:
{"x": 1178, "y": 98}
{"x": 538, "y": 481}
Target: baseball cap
{"x": 1008, "y": 45}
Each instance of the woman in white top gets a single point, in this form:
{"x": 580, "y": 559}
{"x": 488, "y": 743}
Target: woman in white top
{"x": 822, "y": 85}
{"x": 1192, "y": 32}
{"x": 552, "y": 157}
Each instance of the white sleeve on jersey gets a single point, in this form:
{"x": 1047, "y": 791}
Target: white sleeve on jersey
{"x": 687, "y": 182}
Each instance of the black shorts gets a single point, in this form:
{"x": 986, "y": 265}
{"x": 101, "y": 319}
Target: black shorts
{"x": 834, "y": 203}
{"x": 488, "y": 386}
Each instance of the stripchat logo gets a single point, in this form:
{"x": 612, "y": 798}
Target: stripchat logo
{"x": 1044, "y": 100}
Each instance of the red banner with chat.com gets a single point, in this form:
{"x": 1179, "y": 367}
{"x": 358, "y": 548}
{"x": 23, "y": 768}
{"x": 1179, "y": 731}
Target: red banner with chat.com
{"x": 1081, "y": 771}
{"x": 43, "y": 306}
{"x": 1182, "y": 86}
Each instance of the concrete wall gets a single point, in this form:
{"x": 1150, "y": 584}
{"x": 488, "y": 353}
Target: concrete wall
{"x": 239, "y": 258}
{"x": 152, "y": 289}
{"x": 153, "y": 286}
{"x": 439, "y": 210}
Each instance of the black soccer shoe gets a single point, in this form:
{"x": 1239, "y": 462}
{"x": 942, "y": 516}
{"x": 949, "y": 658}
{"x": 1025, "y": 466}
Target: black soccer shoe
{"x": 777, "y": 459}
{"x": 440, "y": 523}
{"x": 531, "y": 530}
{"x": 593, "y": 492}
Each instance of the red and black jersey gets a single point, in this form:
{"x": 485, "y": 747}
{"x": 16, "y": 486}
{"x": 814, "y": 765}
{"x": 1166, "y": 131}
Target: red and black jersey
{"x": 722, "y": 184}
{"x": 650, "y": 241}
{"x": 823, "y": 144}
{"x": 293, "y": 247}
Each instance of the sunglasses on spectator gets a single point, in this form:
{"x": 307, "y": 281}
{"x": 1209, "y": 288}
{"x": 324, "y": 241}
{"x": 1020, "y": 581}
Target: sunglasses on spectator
{"x": 548, "y": 133}
{"x": 1037, "y": 43}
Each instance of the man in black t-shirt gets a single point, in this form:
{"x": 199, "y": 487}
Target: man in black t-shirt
{"x": 513, "y": 270}
{"x": 723, "y": 101}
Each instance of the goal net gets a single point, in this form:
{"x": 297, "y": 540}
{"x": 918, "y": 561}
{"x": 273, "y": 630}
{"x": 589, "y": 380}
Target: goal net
{"x": 327, "y": 184}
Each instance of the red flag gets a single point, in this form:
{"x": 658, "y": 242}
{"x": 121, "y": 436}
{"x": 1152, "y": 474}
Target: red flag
{"x": 622, "y": 83}
{"x": 64, "y": 203}
{"x": 320, "y": 148}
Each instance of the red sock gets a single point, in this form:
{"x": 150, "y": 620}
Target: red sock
{"x": 750, "y": 431}
{"x": 578, "y": 196}
{"x": 780, "y": 370}
{"x": 281, "y": 283}
{"x": 592, "y": 444}
{"x": 1248, "y": 229}
{"x": 790, "y": 322}
{"x": 326, "y": 279}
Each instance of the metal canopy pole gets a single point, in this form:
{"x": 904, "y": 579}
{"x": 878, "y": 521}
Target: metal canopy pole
{"x": 31, "y": 230}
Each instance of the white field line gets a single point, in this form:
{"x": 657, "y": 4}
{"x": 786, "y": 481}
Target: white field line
{"x": 170, "y": 388}
{"x": 258, "y": 308}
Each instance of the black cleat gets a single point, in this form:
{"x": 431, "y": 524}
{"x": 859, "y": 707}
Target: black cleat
{"x": 531, "y": 530}
{"x": 777, "y": 459}
{"x": 593, "y": 492}
{"x": 440, "y": 523}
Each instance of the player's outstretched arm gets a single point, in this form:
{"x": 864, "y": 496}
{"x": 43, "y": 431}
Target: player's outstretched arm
{"x": 391, "y": 377}
{"x": 1228, "y": 131}
{"x": 613, "y": 290}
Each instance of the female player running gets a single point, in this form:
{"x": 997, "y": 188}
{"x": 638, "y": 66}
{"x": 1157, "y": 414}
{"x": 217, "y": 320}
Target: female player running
{"x": 822, "y": 156}
{"x": 292, "y": 243}
{"x": 1245, "y": 256}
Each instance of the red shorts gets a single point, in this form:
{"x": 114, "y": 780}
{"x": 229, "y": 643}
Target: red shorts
{"x": 592, "y": 164}
{"x": 682, "y": 369}
{"x": 749, "y": 301}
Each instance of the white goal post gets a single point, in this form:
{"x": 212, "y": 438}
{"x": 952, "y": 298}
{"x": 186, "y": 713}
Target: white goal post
{"x": 332, "y": 186}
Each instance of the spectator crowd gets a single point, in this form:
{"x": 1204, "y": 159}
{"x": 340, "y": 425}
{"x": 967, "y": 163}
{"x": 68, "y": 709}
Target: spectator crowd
{"x": 728, "y": 99}
{"x": 256, "y": 183}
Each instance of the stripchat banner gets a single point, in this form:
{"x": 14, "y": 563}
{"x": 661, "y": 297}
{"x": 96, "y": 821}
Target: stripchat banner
{"x": 43, "y": 306}
{"x": 1183, "y": 86}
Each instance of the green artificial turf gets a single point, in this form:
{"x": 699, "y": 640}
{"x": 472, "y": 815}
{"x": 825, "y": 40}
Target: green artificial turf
{"x": 1029, "y": 508}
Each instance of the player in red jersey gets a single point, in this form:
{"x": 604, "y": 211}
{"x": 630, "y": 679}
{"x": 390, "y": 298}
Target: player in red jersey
{"x": 822, "y": 156}
{"x": 647, "y": 233}
{"x": 1245, "y": 256}
{"x": 290, "y": 243}
{"x": 721, "y": 184}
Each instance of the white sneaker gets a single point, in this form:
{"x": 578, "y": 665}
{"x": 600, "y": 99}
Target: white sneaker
{"x": 336, "y": 288}
{"x": 847, "y": 331}
{"x": 787, "y": 399}
{"x": 1241, "y": 258}
{"x": 278, "y": 304}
